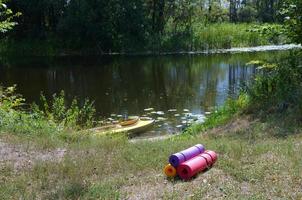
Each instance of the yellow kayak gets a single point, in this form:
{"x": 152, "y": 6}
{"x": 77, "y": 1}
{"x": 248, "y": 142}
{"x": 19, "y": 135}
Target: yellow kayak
{"x": 130, "y": 121}
{"x": 138, "y": 127}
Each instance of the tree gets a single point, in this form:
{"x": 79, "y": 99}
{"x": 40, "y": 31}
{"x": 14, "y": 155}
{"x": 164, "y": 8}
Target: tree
{"x": 234, "y": 4}
{"x": 267, "y": 9}
{"x": 247, "y": 12}
{"x": 6, "y": 18}
{"x": 39, "y": 17}
{"x": 104, "y": 25}
{"x": 292, "y": 13}
{"x": 217, "y": 13}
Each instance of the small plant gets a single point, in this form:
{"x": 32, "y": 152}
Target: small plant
{"x": 70, "y": 116}
{"x": 52, "y": 119}
{"x": 9, "y": 99}
{"x": 14, "y": 118}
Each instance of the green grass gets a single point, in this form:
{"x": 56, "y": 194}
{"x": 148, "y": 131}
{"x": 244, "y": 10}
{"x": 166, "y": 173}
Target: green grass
{"x": 222, "y": 36}
{"x": 252, "y": 164}
{"x": 218, "y": 36}
{"x": 221, "y": 115}
{"x": 258, "y": 158}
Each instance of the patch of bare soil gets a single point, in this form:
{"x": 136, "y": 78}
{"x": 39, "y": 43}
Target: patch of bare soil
{"x": 21, "y": 157}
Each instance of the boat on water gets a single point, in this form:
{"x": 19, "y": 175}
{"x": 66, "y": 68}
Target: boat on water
{"x": 130, "y": 121}
{"x": 132, "y": 126}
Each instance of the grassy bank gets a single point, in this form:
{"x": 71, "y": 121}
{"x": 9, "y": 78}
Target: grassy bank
{"x": 201, "y": 38}
{"x": 43, "y": 159}
{"x": 253, "y": 163}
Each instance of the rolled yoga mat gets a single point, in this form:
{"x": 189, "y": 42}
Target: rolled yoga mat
{"x": 208, "y": 159}
{"x": 212, "y": 154}
{"x": 188, "y": 169}
{"x": 170, "y": 171}
{"x": 180, "y": 157}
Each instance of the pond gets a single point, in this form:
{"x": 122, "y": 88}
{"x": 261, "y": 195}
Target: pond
{"x": 178, "y": 90}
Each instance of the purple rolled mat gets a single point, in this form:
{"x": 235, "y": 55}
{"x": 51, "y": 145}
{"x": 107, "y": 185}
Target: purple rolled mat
{"x": 180, "y": 157}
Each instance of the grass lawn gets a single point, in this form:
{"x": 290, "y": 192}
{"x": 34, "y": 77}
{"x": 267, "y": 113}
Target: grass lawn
{"x": 253, "y": 163}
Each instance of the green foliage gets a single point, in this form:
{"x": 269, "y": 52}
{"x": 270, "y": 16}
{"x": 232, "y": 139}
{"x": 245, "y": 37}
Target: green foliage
{"x": 68, "y": 116}
{"x": 9, "y": 99}
{"x": 217, "y": 13}
{"x": 273, "y": 32}
{"x": 267, "y": 11}
{"x": 99, "y": 26}
{"x": 277, "y": 86}
{"x": 226, "y": 35}
{"x": 292, "y": 13}
{"x": 6, "y": 17}
{"x": 247, "y": 14}
{"x": 221, "y": 115}
{"x": 15, "y": 117}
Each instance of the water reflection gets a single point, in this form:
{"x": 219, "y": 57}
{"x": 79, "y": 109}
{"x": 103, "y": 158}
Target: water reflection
{"x": 122, "y": 85}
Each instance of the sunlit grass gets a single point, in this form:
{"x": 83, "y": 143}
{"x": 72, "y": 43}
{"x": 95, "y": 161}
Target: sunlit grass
{"x": 104, "y": 167}
{"x": 255, "y": 160}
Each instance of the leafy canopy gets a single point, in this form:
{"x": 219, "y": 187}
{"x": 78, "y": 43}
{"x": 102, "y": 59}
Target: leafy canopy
{"x": 292, "y": 14}
{"x": 6, "y": 17}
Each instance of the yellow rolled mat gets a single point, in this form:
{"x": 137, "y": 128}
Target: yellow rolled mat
{"x": 170, "y": 171}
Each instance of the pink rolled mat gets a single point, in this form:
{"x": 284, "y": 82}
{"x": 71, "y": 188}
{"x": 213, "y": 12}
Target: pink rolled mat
{"x": 180, "y": 157}
{"x": 188, "y": 169}
{"x": 208, "y": 159}
{"x": 212, "y": 154}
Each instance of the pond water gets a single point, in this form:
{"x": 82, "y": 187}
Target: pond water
{"x": 180, "y": 89}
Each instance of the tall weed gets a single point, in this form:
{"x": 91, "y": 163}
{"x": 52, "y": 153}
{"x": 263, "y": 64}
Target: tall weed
{"x": 72, "y": 116}
{"x": 52, "y": 118}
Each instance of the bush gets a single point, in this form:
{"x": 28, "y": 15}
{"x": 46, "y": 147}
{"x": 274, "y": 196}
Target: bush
{"x": 68, "y": 116}
{"x": 247, "y": 14}
{"x": 53, "y": 118}
{"x": 274, "y": 33}
{"x": 278, "y": 86}
{"x": 14, "y": 119}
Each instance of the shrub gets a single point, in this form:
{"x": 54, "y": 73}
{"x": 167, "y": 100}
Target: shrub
{"x": 53, "y": 118}
{"x": 14, "y": 119}
{"x": 69, "y": 116}
{"x": 278, "y": 86}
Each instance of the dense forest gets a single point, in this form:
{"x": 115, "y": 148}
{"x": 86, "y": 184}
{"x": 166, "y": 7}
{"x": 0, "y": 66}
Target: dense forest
{"x": 140, "y": 25}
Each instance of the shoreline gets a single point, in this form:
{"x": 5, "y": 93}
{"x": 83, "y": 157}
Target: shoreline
{"x": 282, "y": 47}
{"x": 234, "y": 50}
